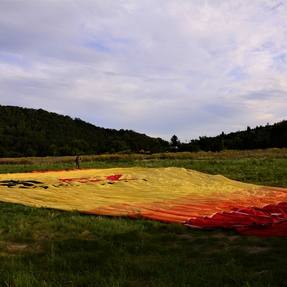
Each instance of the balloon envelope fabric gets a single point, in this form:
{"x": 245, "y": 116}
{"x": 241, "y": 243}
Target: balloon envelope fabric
{"x": 170, "y": 194}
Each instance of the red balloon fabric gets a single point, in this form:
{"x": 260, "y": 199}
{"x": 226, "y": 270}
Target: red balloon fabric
{"x": 270, "y": 220}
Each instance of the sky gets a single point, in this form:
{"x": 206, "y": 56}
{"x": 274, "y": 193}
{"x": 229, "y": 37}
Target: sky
{"x": 159, "y": 67}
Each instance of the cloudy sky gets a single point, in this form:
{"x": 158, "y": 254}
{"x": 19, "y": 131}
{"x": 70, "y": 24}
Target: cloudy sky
{"x": 161, "y": 67}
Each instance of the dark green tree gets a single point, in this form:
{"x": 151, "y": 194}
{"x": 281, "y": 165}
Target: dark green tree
{"x": 30, "y": 132}
{"x": 174, "y": 143}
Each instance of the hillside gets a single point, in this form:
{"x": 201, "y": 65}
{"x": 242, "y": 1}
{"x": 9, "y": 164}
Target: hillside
{"x": 30, "y": 132}
{"x": 261, "y": 137}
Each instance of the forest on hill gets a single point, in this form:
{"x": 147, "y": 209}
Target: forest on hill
{"x": 260, "y": 137}
{"x": 31, "y": 132}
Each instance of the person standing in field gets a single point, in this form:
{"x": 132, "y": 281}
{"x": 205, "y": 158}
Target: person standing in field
{"x": 78, "y": 161}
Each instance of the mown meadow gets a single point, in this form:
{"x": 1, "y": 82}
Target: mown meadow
{"x": 42, "y": 247}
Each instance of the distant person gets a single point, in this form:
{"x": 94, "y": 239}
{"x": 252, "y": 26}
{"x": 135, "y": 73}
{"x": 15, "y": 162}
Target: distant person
{"x": 78, "y": 161}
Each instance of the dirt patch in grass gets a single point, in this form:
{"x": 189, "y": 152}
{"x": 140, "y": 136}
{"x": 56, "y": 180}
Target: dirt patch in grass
{"x": 17, "y": 247}
{"x": 219, "y": 235}
{"x": 87, "y": 235}
{"x": 14, "y": 248}
{"x": 223, "y": 235}
{"x": 186, "y": 236}
{"x": 256, "y": 249}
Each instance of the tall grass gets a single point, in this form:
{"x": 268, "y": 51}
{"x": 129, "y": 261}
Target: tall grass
{"x": 226, "y": 154}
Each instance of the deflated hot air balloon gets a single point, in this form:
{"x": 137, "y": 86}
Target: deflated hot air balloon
{"x": 175, "y": 195}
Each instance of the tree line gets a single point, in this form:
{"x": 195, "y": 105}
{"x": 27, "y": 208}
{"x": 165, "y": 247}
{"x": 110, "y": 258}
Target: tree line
{"x": 260, "y": 137}
{"x": 31, "y": 132}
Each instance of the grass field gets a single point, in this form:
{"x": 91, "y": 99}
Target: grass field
{"x": 40, "y": 247}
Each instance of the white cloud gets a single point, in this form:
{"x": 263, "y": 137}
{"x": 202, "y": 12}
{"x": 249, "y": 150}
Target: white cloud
{"x": 160, "y": 67}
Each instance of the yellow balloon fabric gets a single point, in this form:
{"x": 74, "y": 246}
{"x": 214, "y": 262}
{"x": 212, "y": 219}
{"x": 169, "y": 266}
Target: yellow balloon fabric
{"x": 165, "y": 194}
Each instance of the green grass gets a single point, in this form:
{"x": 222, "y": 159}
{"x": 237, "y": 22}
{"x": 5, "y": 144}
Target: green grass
{"x": 41, "y": 247}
